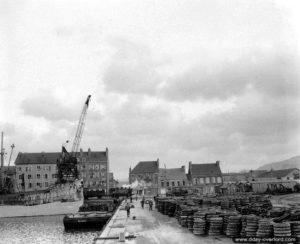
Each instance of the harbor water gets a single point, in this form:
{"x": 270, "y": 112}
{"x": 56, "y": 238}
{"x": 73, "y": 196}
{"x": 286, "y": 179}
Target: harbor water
{"x": 41, "y": 229}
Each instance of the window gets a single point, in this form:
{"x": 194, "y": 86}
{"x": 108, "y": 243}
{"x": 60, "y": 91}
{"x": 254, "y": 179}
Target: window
{"x": 173, "y": 183}
{"x": 38, "y": 167}
{"x": 30, "y": 185}
{"x": 46, "y": 184}
{"x": 49, "y": 168}
{"x": 29, "y": 177}
{"x": 20, "y": 168}
{"x": 207, "y": 180}
{"x": 178, "y": 183}
{"x": 83, "y": 166}
{"x": 162, "y": 184}
{"x": 201, "y": 180}
{"x": 20, "y": 177}
{"x": 183, "y": 183}
{"x": 39, "y": 184}
{"x": 46, "y": 176}
{"x": 219, "y": 180}
{"x": 168, "y": 184}
{"x": 213, "y": 179}
{"x": 27, "y": 169}
{"x": 38, "y": 176}
{"x": 94, "y": 183}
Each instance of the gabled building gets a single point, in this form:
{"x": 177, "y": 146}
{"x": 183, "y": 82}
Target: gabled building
{"x": 93, "y": 169}
{"x": 174, "y": 177}
{"x": 36, "y": 171}
{"x": 205, "y": 177}
{"x": 147, "y": 174}
{"x": 283, "y": 174}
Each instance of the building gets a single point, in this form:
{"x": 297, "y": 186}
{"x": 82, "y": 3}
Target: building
{"x": 204, "y": 178}
{"x": 146, "y": 173}
{"x": 283, "y": 174}
{"x": 93, "y": 169}
{"x": 234, "y": 177}
{"x": 174, "y": 177}
{"x": 36, "y": 171}
{"x": 112, "y": 182}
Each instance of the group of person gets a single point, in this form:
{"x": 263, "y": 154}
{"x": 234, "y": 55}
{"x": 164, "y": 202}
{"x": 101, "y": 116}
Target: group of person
{"x": 143, "y": 201}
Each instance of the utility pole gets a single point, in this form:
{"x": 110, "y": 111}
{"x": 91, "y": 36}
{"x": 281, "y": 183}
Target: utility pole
{"x": 2, "y": 162}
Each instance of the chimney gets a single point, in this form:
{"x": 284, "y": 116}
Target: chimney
{"x": 130, "y": 170}
{"x": 158, "y": 163}
{"x": 81, "y": 152}
{"x": 183, "y": 168}
{"x": 190, "y": 167}
{"x": 218, "y": 163}
{"x": 89, "y": 152}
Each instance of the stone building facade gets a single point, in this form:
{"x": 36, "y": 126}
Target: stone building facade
{"x": 35, "y": 171}
{"x": 146, "y": 173}
{"x": 204, "y": 178}
{"x": 93, "y": 169}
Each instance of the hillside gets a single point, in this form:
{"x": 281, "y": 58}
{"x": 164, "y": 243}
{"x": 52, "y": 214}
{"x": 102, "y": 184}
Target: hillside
{"x": 293, "y": 162}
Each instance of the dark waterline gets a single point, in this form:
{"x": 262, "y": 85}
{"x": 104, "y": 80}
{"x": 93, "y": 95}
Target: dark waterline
{"x": 41, "y": 229}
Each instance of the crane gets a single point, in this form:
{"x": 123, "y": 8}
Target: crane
{"x": 80, "y": 127}
{"x": 67, "y": 163}
{"x": 12, "y": 148}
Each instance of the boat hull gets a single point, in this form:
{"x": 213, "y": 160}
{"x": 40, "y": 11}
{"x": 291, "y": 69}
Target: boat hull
{"x": 84, "y": 220}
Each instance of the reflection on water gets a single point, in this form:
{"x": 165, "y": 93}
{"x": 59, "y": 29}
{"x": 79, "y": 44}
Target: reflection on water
{"x": 43, "y": 229}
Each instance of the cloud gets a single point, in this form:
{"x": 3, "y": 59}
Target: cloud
{"x": 273, "y": 74}
{"x": 7, "y": 128}
{"x": 131, "y": 70}
{"x": 45, "y": 105}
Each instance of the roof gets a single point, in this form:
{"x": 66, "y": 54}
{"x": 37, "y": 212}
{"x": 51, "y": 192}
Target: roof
{"x": 37, "y": 158}
{"x": 51, "y": 157}
{"x": 174, "y": 173}
{"x": 99, "y": 156}
{"x": 146, "y": 167}
{"x": 277, "y": 173}
{"x": 205, "y": 169}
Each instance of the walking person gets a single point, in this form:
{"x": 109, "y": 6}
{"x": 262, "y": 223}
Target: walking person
{"x": 143, "y": 201}
{"x": 127, "y": 207}
{"x": 150, "y": 205}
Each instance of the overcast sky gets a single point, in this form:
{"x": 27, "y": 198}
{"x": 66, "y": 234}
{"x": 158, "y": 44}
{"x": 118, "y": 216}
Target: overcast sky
{"x": 180, "y": 81}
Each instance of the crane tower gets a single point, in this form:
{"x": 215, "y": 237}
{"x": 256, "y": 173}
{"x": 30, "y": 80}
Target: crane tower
{"x": 67, "y": 163}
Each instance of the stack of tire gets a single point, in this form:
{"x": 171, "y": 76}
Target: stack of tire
{"x": 199, "y": 227}
{"x": 225, "y": 203}
{"x": 295, "y": 227}
{"x": 215, "y": 226}
{"x": 190, "y": 222}
{"x": 234, "y": 226}
{"x": 265, "y": 228}
{"x": 251, "y": 226}
{"x": 282, "y": 230}
{"x": 226, "y": 216}
{"x": 244, "y": 225}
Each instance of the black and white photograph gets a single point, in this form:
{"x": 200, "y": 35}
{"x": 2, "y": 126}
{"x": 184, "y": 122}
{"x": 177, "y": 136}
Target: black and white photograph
{"x": 149, "y": 121}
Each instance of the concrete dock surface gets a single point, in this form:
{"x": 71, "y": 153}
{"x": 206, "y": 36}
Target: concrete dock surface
{"x": 149, "y": 227}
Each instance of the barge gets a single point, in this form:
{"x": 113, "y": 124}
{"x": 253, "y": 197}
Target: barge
{"x": 96, "y": 210}
{"x": 91, "y": 220}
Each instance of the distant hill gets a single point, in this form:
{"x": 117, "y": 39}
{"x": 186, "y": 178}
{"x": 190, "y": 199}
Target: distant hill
{"x": 293, "y": 162}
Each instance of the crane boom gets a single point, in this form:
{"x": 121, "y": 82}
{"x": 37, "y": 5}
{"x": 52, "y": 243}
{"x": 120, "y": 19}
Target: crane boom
{"x": 80, "y": 127}
{"x": 12, "y": 148}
